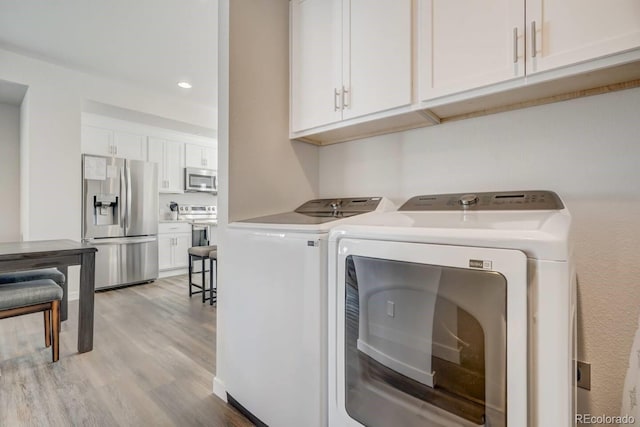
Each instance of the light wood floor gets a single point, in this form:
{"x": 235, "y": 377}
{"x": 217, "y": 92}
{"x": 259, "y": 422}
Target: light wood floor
{"x": 152, "y": 364}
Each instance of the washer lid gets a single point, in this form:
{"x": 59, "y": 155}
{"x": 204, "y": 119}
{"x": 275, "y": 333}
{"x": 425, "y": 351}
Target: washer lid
{"x": 321, "y": 211}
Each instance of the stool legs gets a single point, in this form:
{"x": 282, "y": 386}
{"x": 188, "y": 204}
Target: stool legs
{"x": 213, "y": 290}
{"x": 190, "y": 274}
{"x": 203, "y": 279}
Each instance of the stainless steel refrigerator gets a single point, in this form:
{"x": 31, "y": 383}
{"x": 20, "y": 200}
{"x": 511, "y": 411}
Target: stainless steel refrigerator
{"x": 120, "y": 217}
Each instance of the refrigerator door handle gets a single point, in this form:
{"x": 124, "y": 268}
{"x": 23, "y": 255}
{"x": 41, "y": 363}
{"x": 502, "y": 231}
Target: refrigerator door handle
{"x": 128, "y": 198}
{"x": 122, "y": 209}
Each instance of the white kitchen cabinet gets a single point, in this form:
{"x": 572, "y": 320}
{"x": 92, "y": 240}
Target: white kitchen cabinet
{"x": 349, "y": 58}
{"x": 466, "y": 45}
{"x": 199, "y": 156}
{"x": 170, "y": 158}
{"x": 108, "y": 142}
{"x": 174, "y": 241}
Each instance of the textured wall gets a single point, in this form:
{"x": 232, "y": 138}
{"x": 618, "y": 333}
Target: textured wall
{"x": 587, "y": 150}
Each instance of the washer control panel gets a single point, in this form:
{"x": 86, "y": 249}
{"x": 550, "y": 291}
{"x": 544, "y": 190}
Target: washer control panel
{"x": 493, "y": 201}
{"x": 351, "y": 204}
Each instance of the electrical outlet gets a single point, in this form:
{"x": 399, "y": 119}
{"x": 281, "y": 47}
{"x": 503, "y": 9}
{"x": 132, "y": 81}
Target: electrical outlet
{"x": 583, "y": 376}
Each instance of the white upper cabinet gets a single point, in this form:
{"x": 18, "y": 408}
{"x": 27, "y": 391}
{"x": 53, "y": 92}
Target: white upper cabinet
{"x": 376, "y": 70}
{"x": 349, "y": 58}
{"x": 169, "y": 155}
{"x": 467, "y": 44}
{"x": 198, "y": 156}
{"x": 107, "y": 142}
{"x": 572, "y": 31}
{"x": 316, "y": 74}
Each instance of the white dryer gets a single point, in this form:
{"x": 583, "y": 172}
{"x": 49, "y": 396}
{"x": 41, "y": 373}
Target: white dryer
{"x": 455, "y": 310}
{"x": 276, "y": 305}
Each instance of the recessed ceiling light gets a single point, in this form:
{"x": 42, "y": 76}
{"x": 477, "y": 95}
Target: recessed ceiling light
{"x": 185, "y": 85}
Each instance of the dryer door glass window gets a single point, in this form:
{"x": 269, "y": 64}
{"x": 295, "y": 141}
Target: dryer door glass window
{"x": 424, "y": 344}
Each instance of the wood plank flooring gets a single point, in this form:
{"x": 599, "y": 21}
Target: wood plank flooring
{"x": 152, "y": 364}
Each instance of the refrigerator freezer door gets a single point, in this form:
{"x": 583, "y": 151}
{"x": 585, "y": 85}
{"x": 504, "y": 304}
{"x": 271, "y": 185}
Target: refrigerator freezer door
{"x": 103, "y": 196}
{"x": 124, "y": 261}
{"x": 142, "y": 198}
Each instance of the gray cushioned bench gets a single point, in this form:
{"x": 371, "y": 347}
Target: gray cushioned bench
{"x": 34, "y": 296}
{"x": 42, "y": 273}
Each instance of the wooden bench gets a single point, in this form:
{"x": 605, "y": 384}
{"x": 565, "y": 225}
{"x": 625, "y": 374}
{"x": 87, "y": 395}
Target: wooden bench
{"x": 34, "y": 296}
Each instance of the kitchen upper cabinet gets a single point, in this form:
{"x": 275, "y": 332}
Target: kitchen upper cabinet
{"x": 169, "y": 155}
{"x": 108, "y": 142}
{"x": 349, "y": 58}
{"x": 198, "y": 156}
{"x": 466, "y": 45}
{"x": 571, "y": 31}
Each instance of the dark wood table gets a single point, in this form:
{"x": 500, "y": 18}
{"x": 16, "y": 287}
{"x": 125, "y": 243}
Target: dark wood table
{"x": 17, "y": 256}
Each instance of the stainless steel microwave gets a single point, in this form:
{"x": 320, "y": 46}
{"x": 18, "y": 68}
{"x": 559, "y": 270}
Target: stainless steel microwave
{"x": 204, "y": 180}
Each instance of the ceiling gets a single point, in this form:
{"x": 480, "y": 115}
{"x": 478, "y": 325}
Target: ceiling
{"x": 150, "y": 43}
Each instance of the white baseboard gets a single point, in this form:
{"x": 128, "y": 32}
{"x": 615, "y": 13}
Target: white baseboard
{"x": 219, "y": 389}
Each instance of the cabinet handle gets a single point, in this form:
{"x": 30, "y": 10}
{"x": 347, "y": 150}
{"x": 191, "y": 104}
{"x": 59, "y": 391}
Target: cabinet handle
{"x": 336, "y": 99}
{"x": 533, "y": 39}
{"x": 345, "y": 103}
{"x": 515, "y": 45}
{"x": 205, "y": 162}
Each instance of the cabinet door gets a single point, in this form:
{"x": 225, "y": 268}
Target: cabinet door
{"x": 377, "y": 55}
{"x": 210, "y": 156}
{"x": 181, "y": 254}
{"x": 165, "y": 251}
{"x": 97, "y": 141}
{"x": 130, "y": 146}
{"x": 315, "y": 63}
{"x": 466, "y": 44}
{"x": 193, "y": 156}
{"x": 570, "y": 31}
{"x": 174, "y": 166}
{"x": 156, "y": 154}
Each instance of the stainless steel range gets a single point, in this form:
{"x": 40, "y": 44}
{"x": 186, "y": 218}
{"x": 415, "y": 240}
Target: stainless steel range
{"x": 203, "y": 219}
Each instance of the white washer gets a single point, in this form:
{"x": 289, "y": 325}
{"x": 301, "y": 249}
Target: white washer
{"x": 276, "y": 310}
{"x": 455, "y": 310}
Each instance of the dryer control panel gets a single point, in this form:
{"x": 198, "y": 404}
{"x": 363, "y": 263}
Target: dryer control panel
{"x": 492, "y": 201}
{"x": 351, "y": 205}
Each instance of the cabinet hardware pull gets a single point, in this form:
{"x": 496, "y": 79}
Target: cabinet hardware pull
{"x": 336, "y": 99}
{"x": 533, "y": 39}
{"x": 345, "y": 103}
{"x": 515, "y": 45}
{"x": 115, "y": 149}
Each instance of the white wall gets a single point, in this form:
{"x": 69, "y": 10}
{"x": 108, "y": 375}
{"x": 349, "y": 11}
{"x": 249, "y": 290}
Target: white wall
{"x": 587, "y": 150}
{"x": 260, "y": 170}
{"x": 50, "y": 138}
{"x": 10, "y": 172}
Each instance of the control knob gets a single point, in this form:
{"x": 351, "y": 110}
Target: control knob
{"x": 468, "y": 200}
{"x": 335, "y": 205}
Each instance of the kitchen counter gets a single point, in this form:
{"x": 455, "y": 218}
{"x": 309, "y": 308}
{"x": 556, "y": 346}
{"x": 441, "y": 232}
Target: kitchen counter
{"x": 189, "y": 221}
{"x": 171, "y": 221}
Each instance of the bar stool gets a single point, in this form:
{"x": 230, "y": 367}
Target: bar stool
{"x": 213, "y": 263}
{"x": 199, "y": 253}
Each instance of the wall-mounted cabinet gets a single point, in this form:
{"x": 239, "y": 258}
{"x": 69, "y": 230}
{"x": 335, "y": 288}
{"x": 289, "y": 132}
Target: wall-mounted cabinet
{"x": 200, "y": 156}
{"x": 501, "y": 40}
{"x": 350, "y": 59}
{"x": 170, "y": 158}
{"x": 362, "y": 68}
{"x": 109, "y": 142}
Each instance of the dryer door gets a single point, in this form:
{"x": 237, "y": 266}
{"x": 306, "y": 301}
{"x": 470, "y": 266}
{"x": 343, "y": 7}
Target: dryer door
{"x": 428, "y": 335}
